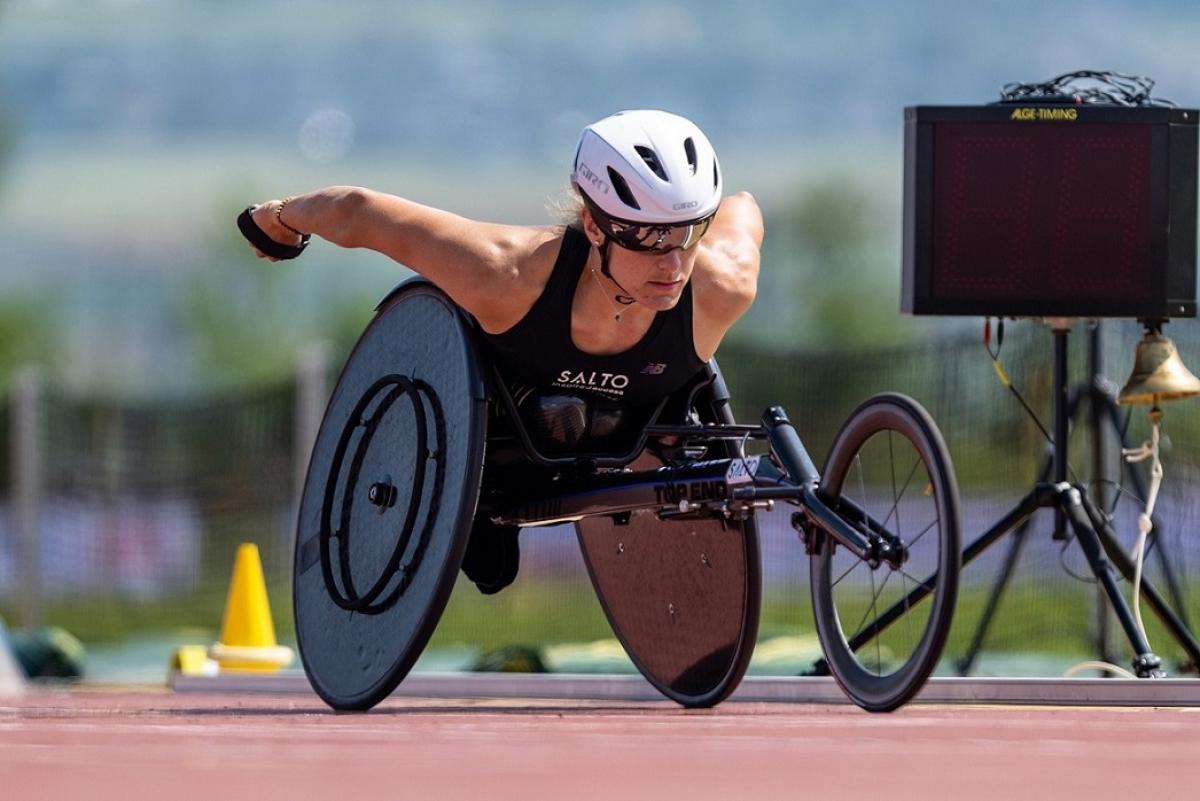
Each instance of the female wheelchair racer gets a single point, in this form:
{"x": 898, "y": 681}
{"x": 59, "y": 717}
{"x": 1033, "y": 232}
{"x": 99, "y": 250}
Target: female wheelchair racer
{"x": 551, "y": 375}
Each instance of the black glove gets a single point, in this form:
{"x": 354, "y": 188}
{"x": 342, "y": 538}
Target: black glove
{"x": 257, "y": 237}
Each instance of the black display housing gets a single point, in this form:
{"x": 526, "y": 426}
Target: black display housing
{"x": 1041, "y": 210}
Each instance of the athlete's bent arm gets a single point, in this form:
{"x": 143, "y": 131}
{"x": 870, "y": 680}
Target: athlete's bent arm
{"x": 725, "y": 280}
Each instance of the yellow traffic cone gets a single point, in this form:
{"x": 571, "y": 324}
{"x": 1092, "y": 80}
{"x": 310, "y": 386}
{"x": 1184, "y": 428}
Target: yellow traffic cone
{"x": 247, "y": 633}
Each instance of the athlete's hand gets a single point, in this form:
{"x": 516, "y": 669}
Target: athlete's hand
{"x": 265, "y": 216}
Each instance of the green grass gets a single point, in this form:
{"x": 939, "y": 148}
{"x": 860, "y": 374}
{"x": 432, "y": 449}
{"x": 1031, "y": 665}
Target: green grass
{"x": 1030, "y": 619}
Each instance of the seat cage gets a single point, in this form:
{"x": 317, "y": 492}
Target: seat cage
{"x": 674, "y": 407}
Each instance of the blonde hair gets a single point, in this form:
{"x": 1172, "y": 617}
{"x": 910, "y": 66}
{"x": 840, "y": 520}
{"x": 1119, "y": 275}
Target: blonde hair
{"x": 566, "y": 206}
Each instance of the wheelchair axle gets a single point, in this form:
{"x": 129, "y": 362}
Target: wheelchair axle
{"x": 382, "y": 494}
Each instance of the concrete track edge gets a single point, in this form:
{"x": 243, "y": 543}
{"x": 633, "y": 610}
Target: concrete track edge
{"x": 794, "y": 690}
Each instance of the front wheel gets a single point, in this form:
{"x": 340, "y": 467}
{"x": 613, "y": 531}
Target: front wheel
{"x": 883, "y": 620}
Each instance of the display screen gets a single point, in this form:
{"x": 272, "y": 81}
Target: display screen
{"x": 1044, "y": 210}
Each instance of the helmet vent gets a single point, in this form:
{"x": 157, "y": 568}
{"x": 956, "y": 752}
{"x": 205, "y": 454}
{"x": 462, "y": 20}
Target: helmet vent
{"x": 651, "y": 159}
{"x": 622, "y": 189}
{"x": 716, "y": 176}
{"x": 689, "y": 150}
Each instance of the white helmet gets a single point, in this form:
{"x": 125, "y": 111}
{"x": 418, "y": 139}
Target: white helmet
{"x": 648, "y": 166}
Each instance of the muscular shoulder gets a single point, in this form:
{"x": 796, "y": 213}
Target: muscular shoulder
{"x": 523, "y": 263}
{"x": 726, "y": 274}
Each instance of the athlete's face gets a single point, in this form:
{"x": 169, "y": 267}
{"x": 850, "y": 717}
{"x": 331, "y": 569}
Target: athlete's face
{"x": 653, "y": 278}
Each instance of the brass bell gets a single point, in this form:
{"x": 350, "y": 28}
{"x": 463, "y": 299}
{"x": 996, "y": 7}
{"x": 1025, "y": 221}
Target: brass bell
{"x": 1158, "y": 373}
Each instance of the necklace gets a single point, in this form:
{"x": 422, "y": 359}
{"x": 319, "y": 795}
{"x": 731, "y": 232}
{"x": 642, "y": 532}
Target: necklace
{"x": 620, "y": 298}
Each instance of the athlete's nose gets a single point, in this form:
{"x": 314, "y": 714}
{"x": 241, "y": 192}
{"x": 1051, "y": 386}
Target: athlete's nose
{"x": 672, "y": 261}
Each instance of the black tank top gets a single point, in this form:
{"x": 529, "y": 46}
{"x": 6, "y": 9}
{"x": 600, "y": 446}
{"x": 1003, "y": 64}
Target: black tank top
{"x": 538, "y": 351}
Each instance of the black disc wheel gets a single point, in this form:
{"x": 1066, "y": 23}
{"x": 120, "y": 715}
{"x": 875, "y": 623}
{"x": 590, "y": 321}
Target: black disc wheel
{"x": 389, "y": 498}
{"x": 883, "y": 617}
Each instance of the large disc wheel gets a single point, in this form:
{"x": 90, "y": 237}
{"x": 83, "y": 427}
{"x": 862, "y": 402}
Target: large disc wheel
{"x": 883, "y": 620}
{"x": 389, "y": 498}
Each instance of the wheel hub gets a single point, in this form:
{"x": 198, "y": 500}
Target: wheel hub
{"x": 382, "y": 494}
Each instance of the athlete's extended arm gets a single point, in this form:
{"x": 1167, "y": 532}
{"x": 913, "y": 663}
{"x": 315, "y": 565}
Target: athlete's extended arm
{"x": 478, "y": 264}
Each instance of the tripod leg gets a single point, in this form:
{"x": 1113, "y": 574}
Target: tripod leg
{"x": 1040, "y": 497}
{"x": 1146, "y": 664}
{"x": 1172, "y": 580}
{"x": 1099, "y": 403}
{"x": 1174, "y": 624}
{"x": 967, "y": 661}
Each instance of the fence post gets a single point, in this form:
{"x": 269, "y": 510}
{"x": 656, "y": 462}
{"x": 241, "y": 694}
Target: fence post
{"x": 25, "y": 441}
{"x": 312, "y": 393}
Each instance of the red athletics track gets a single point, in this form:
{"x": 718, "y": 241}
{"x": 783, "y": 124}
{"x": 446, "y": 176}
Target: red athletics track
{"x": 92, "y": 745}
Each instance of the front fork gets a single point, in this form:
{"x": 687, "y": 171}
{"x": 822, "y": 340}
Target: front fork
{"x": 818, "y": 523}
{"x": 880, "y": 546}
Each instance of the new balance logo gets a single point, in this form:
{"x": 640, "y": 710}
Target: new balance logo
{"x": 653, "y": 369}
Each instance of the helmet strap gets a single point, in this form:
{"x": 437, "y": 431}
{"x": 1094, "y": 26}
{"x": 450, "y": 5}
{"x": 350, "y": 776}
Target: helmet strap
{"x": 625, "y": 299}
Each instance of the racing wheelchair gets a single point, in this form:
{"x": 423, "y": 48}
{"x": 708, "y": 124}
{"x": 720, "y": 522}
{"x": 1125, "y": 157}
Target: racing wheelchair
{"x": 423, "y": 441}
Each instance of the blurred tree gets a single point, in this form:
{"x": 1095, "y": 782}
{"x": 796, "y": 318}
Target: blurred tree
{"x": 25, "y": 334}
{"x": 20, "y": 321}
{"x": 830, "y": 274}
{"x": 249, "y": 319}
{"x": 849, "y": 265}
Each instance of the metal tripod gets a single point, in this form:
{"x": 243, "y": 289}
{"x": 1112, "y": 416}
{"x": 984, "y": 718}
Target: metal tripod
{"x": 1088, "y": 522}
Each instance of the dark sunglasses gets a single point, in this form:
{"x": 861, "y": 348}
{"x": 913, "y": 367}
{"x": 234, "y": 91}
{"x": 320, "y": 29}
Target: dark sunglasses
{"x": 657, "y": 238}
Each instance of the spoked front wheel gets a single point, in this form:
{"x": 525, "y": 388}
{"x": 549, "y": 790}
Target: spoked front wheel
{"x": 883, "y": 620}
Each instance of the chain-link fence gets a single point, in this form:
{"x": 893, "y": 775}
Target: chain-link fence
{"x": 140, "y": 504}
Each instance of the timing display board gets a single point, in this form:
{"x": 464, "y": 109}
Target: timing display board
{"x": 1064, "y": 211}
